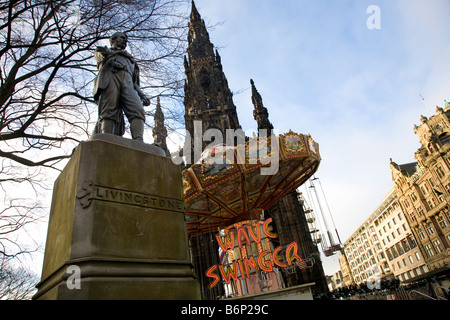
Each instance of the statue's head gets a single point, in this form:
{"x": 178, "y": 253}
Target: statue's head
{"x": 118, "y": 40}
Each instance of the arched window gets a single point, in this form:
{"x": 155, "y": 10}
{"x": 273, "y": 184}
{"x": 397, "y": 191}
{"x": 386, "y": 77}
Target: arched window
{"x": 445, "y": 138}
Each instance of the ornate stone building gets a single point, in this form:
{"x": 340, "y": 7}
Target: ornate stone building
{"x": 209, "y": 102}
{"x": 423, "y": 188}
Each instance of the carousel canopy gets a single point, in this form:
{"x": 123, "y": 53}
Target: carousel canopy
{"x": 232, "y": 184}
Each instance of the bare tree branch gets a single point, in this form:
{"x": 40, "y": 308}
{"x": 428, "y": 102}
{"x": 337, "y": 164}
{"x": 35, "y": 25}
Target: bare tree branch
{"x": 46, "y": 79}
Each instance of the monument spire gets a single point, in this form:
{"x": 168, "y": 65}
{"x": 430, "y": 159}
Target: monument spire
{"x": 160, "y": 131}
{"x": 194, "y": 12}
{"x": 208, "y": 97}
{"x": 260, "y": 113}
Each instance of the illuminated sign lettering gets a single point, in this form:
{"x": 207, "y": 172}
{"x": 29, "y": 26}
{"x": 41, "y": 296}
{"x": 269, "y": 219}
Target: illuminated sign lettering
{"x": 242, "y": 235}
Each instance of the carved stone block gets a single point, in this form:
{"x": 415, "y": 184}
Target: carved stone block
{"x": 117, "y": 223}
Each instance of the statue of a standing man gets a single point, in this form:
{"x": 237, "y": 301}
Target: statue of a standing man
{"x": 117, "y": 91}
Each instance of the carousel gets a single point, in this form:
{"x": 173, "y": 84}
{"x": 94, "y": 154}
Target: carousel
{"x": 230, "y": 184}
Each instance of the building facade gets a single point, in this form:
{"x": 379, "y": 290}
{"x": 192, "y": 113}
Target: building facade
{"x": 423, "y": 189}
{"x": 394, "y": 242}
{"x": 383, "y": 247}
{"x": 336, "y": 281}
{"x": 408, "y": 236}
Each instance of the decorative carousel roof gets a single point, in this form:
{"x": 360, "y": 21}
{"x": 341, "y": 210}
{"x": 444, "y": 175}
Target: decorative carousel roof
{"x": 231, "y": 184}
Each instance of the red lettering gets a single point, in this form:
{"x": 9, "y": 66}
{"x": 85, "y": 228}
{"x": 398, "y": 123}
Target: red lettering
{"x": 242, "y": 234}
{"x": 229, "y": 241}
{"x": 210, "y": 274}
{"x": 291, "y": 253}
{"x": 257, "y": 237}
{"x": 252, "y": 264}
{"x": 265, "y": 265}
{"x": 243, "y": 251}
{"x": 277, "y": 259}
{"x": 266, "y": 260}
{"x": 241, "y": 268}
{"x": 229, "y": 274}
{"x": 268, "y": 229}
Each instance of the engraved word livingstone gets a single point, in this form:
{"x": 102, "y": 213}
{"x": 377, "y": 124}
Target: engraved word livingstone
{"x": 89, "y": 192}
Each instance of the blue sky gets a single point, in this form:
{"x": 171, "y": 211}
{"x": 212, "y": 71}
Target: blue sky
{"x": 321, "y": 71}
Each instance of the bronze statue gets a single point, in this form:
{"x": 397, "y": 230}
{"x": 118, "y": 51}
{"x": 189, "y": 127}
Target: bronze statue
{"x": 117, "y": 91}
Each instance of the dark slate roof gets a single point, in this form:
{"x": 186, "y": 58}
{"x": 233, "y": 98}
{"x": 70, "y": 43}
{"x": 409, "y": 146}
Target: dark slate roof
{"x": 408, "y": 168}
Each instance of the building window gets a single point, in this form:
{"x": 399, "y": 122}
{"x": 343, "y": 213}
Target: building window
{"x": 394, "y": 252}
{"x": 437, "y": 246}
{"x": 440, "y": 172}
{"x": 399, "y": 248}
{"x": 429, "y": 250}
{"x": 421, "y": 233}
{"x": 405, "y": 245}
{"x": 430, "y": 229}
{"x": 447, "y": 187}
{"x": 417, "y": 256}
{"x": 442, "y": 222}
{"x": 406, "y": 203}
{"x": 411, "y": 259}
{"x": 389, "y": 255}
{"x": 434, "y": 202}
{"x": 411, "y": 241}
{"x": 404, "y": 227}
{"x": 420, "y": 210}
{"x": 424, "y": 191}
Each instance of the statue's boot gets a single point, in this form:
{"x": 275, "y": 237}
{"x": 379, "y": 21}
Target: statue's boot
{"x": 108, "y": 126}
{"x": 137, "y": 129}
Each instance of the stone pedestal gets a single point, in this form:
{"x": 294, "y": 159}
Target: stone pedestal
{"x": 117, "y": 227}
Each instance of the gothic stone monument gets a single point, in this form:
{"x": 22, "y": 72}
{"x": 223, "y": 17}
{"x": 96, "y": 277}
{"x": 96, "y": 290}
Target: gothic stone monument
{"x": 117, "y": 225}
